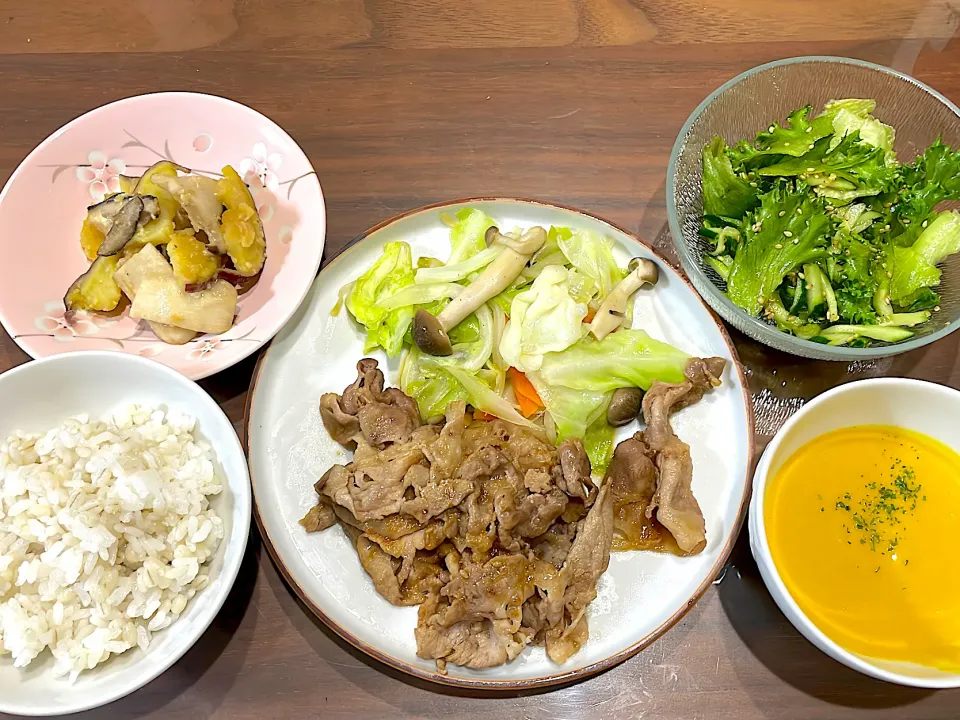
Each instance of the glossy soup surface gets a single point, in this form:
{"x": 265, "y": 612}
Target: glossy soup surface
{"x": 863, "y": 527}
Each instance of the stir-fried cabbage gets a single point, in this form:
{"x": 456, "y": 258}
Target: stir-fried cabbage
{"x": 626, "y": 358}
{"x": 387, "y": 276}
{"x": 591, "y": 254}
{"x": 536, "y": 326}
{"x": 467, "y": 236}
{"x": 545, "y": 318}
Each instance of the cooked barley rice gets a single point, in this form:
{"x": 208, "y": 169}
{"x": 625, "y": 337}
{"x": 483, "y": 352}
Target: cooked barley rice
{"x": 105, "y": 527}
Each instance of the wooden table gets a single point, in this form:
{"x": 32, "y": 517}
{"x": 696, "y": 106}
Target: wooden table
{"x": 403, "y": 103}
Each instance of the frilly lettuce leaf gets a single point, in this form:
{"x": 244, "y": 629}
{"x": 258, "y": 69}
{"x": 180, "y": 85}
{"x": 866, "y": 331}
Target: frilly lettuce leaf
{"x": 844, "y": 171}
{"x": 725, "y": 193}
{"x": 787, "y": 230}
{"x": 854, "y": 277}
{"x": 915, "y": 267}
{"x": 797, "y": 136}
{"x": 856, "y": 116}
{"x": 932, "y": 178}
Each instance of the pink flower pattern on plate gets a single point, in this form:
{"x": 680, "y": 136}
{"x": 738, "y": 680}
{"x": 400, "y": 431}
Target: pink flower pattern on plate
{"x": 202, "y": 350}
{"x": 102, "y": 174}
{"x": 262, "y": 165}
{"x": 151, "y": 350}
{"x": 265, "y": 210}
{"x": 65, "y": 326}
{"x": 202, "y": 142}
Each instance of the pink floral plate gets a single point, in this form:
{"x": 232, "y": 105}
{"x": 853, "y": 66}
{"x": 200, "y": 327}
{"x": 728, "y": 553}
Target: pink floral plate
{"x": 43, "y": 205}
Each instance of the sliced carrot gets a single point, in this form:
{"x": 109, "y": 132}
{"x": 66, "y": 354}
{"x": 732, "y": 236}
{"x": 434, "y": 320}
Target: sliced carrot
{"x": 527, "y": 397}
{"x": 591, "y": 314}
{"x": 522, "y": 386}
{"x": 528, "y": 408}
{"x": 481, "y": 415}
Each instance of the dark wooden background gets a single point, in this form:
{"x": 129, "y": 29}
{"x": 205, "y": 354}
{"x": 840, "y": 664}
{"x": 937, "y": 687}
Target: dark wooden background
{"x": 400, "y": 103}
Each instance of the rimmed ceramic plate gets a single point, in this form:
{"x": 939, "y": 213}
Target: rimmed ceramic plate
{"x": 45, "y": 201}
{"x": 639, "y": 597}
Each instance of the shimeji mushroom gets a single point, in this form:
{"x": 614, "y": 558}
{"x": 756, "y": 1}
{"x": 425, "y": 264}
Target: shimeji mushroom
{"x": 430, "y": 332}
{"x": 122, "y": 228}
{"x": 624, "y": 406}
{"x": 119, "y": 217}
{"x": 614, "y": 306}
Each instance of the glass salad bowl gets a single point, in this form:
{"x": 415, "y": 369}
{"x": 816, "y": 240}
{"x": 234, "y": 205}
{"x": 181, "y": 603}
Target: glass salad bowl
{"x": 748, "y": 104}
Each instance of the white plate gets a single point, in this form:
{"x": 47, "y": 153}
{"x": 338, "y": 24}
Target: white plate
{"x": 35, "y": 397}
{"x": 642, "y": 593}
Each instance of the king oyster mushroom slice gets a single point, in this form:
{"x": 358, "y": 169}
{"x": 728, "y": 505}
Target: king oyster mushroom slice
{"x": 430, "y": 332}
{"x": 197, "y": 195}
{"x": 145, "y": 264}
{"x": 610, "y": 314}
{"x": 124, "y": 224}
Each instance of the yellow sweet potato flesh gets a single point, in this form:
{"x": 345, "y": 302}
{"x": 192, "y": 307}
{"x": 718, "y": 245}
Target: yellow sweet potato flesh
{"x": 90, "y": 239}
{"x": 95, "y": 290}
{"x": 240, "y": 224}
{"x": 192, "y": 262}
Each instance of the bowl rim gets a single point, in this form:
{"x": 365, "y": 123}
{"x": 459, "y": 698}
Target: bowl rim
{"x": 234, "y": 545}
{"x": 760, "y": 546}
{"x": 764, "y": 333}
{"x": 248, "y": 349}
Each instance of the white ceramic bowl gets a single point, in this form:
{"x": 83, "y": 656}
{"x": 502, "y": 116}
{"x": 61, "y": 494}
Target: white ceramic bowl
{"x": 912, "y": 404}
{"x": 43, "y": 393}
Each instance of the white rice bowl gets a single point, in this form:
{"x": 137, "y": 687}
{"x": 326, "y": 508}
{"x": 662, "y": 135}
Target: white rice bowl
{"x": 149, "y": 524}
{"x": 105, "y": 528}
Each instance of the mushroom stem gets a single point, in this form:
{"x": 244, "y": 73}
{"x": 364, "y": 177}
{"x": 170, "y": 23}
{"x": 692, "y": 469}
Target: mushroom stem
{"x": 496, "y": 277}
{"x": 430, "y": 333}
{"x": 614, "y": 306}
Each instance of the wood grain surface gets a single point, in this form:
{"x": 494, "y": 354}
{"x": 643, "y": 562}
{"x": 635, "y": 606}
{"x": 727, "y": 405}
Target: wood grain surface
{"x": 400, "y": 103}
